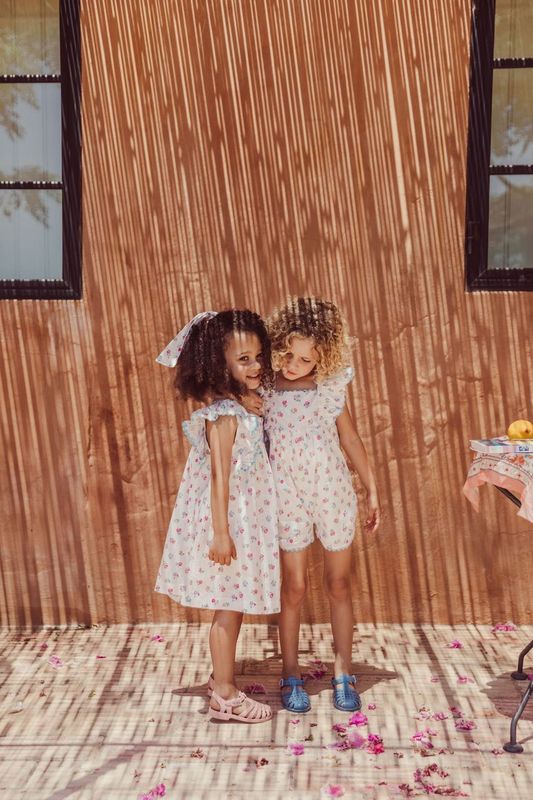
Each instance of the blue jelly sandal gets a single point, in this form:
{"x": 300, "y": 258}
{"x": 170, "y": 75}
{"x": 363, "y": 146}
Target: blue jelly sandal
{"x": 297, "y": 700}
{"x": 345, "y": 698}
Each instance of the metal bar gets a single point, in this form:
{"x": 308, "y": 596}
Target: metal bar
{"x": 512, "y": 63}
{"x": 511, "y": 746}
{"x": 30, "y": 78}
{"x": 514, "y": 499}
{"x": 520, "y": 675}
{"x": 478, "y": 149}
{"x": 511, "y": 169}
{"x": 31, "y": 185}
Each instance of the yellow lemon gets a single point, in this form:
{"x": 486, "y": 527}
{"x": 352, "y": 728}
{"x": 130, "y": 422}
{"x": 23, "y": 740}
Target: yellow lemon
{"x": 520, "y": 429}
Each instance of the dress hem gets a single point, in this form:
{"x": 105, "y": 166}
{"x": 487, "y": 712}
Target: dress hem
{"x": 214, "y": 608}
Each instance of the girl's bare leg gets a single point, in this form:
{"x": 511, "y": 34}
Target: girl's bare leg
{"x": 223, "y": 636}
{"x": 337, "y": 569}
{"x": 293, "y": 589}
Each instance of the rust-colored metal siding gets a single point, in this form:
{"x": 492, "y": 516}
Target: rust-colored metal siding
{"x": 234, "y": 152}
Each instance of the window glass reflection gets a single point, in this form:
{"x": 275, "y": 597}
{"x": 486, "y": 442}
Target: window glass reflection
{"x": 511, "y": 222}
{"x": 30, "y": 232}
{"x": 29, "y": 37}
{"x": 30, "y": 132}
{"x": 512, "y": 116}
{"x": 513, "y": 35}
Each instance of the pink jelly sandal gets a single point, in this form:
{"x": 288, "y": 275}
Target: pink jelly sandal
{"x": 251, "y": 713}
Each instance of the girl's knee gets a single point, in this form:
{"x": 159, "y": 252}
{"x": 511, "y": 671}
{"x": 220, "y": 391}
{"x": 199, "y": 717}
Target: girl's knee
{"x": 293, "y": 589}
{"x": 338, "y": 587}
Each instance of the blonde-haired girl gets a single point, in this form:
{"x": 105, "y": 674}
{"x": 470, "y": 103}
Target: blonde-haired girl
{"x": 307, "y": 422}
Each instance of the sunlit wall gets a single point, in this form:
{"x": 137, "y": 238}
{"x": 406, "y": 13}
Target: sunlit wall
{"x": 234, "y": 152}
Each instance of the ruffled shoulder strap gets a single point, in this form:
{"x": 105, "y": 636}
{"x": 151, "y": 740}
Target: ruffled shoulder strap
{"x": 339, "y": 379}
{"x": 332, "y": 391}
{"x": 194, "y": 428}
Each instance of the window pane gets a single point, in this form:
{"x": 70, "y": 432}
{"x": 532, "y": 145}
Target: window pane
{"x": 514, "y": 29}
{"x": 30, "y": 131}
{"x": 29, "y": 37}
{"x": 30, "y": 232}
{"x": 512, "y": 117}
{"x": 511, "y": 222}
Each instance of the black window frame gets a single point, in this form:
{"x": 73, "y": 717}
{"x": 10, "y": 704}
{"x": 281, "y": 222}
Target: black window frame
{"x": 70, "y": 286}
{"x": 479, "y": 170}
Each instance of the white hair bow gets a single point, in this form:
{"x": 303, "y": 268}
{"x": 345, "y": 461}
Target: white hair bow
{"x": 169, "y": 356}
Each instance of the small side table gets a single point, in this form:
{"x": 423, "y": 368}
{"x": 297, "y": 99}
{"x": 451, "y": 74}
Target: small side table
{"x": 512, "y": 475}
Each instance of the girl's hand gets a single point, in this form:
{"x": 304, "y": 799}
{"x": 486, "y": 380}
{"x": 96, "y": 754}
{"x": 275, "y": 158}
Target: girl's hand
{"x": 374, "y": 514}
{"x": 253, "y": 403}
{"x": 222, "y": 550}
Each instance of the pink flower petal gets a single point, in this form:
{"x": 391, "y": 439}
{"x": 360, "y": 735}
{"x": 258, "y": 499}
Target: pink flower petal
{"x": 355, "y": 740}
{"x": 375, "y": 744}
{"x": 55, "y": 662}
{"x": 99, "y": 657}
{"x": 157, "y": 638}
{"x": 423, "y": 713}
{"x": 406, "y": 790}
{"x": 455, "y": 644}
{"x": 43, "y": 646}
{"x": 338, "y": 728}
{"x": 427, "y": 772}
{"x": 317, "y": 671}
{"x": 358, "y": 719}
{"x": 464, "y": 679}
{"x": 314, "y": 674}
{"x": 371, "y": 706}
{"x": 341, "y": 745}
{"x": 503, "y": 627}
{"x": 332, "y": 790}
{"x": 440, "y": 715}
{"x": 465, "y": 725}
{"x": 435, "y": 679}
{"x": 254, "y": 688}
{"x": 158, "y": 791}
{"x": 420, "y": 777}
{"x": 296, "y": 748}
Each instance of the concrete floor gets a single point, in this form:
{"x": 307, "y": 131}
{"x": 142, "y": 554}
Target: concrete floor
{"x": 122, "y": 713}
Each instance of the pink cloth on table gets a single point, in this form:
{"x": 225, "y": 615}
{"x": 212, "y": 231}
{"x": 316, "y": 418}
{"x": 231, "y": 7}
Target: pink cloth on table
{"x": 511, "y": 471}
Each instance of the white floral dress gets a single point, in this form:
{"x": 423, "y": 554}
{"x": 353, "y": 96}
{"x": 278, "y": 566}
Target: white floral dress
{"x": 251, "y": 582}
{"x": 313, "y": 483}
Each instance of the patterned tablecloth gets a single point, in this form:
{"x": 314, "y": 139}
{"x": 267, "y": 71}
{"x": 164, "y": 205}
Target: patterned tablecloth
{"x": 510, "y": 471}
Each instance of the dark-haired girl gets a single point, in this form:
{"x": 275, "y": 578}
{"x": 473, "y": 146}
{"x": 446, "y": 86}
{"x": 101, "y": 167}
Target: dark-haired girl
{"x": 221, "y": 550}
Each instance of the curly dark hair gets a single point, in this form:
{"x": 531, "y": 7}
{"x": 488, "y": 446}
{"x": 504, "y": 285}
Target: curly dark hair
{"x": 201, "y": 371}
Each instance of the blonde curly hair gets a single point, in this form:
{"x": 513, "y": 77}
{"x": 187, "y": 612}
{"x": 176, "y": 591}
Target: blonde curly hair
{"x": 313, "y": 318}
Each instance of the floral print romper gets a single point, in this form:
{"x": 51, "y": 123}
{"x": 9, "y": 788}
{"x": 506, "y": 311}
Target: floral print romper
{"x": 251, "y": 582}
{"x": 313, "y": 483}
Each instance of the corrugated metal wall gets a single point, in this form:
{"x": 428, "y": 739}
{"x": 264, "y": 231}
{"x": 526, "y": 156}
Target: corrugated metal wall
{"x": 233, "y": 152}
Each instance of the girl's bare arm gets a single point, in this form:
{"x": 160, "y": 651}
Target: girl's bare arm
{"x": 221, "y": 435}
{"x": 355, "y": 450}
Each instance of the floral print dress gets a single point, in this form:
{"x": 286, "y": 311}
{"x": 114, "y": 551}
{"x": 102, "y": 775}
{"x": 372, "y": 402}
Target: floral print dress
{"x": 313, "y": 483}
{"x": 251, "y": 582}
